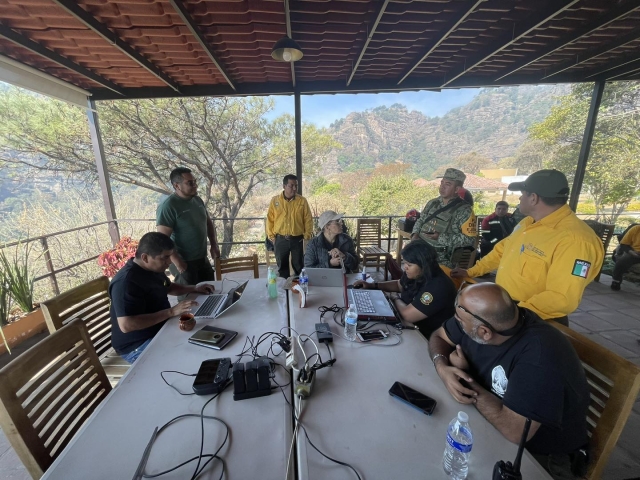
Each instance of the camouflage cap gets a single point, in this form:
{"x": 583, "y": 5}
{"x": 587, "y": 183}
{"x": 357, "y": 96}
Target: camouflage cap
{"x": 545, "y": 183}
{"x": 454, "y": 174}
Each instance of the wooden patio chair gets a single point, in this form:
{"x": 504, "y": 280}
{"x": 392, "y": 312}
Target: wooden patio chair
{"x": 369, "y": 244}
{"x": 48, "y": 392}
{"x": 464, "y": 257}
{"x": 237, "y": 264}
{"x": 605, "y": 233}
{"x": 613, "y": 387}
{"x": 89, "y": 302}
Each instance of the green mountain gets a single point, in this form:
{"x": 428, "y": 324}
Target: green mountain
{"x": 494, "y": 124}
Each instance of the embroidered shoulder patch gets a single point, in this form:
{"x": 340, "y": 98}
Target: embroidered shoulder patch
{"x": 581, "y": 268}
{"x": 426, "y": 298}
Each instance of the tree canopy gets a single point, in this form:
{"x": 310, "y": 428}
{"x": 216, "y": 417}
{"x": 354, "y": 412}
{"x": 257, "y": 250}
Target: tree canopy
{"x": 228, "y": 143}
{"x": 613, "y": 170}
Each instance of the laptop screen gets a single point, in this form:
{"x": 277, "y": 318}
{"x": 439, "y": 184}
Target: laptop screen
{"x": 233, "y": 297}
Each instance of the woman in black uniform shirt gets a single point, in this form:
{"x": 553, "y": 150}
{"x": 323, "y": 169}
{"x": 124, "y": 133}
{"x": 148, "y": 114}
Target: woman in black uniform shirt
{"x": 424, "y": 295}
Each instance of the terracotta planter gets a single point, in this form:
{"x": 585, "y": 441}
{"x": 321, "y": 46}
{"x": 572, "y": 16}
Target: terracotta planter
{"x": 26, "y": 327}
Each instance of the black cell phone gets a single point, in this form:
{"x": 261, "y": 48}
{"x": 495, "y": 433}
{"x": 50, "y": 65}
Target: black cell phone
{"x": 413, "y": 398}
{"x": 374, "y": 335}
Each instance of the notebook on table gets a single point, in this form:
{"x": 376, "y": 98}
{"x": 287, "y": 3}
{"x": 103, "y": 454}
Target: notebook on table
{"x": 214, "y": 305}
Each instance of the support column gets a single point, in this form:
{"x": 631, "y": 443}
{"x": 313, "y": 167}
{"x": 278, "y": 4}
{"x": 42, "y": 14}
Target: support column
{"x": 103, "y": 172}
{"x": 298, "y": 142}
{"x": 587, "y": 138}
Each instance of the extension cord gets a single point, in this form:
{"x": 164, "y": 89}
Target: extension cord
{"x": 303, "y": 388}
{"x": 291, "y": 360}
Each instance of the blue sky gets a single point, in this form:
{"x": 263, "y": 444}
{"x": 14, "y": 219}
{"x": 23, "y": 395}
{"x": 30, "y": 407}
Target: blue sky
{"x": 322, "y": 110}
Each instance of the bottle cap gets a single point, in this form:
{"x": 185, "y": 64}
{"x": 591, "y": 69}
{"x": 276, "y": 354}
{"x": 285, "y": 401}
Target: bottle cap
{"x": 463, "y": 417}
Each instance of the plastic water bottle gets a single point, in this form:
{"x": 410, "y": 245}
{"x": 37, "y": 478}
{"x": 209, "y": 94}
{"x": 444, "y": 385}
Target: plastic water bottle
{"x": 304, "y": 281}
{"x": 458, "y": 447}
{"x": 350, "y": 324}
{"x": 271, "y": 283}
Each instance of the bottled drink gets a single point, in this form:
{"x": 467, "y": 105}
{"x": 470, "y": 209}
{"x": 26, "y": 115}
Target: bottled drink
{"x": 350, "y": 324}
{"x": 458, "y": 447}
{"x": 271, "y": 283}
{"x": 304, "y": 281}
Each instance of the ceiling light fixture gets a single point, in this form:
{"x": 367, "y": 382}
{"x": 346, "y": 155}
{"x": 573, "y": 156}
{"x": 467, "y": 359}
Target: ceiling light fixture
{"x": 286, "y": 50}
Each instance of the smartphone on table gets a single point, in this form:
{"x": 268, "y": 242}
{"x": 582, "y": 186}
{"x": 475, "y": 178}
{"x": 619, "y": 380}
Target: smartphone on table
{"x": 413, "y": 398}
{"x": 369, "y": 336}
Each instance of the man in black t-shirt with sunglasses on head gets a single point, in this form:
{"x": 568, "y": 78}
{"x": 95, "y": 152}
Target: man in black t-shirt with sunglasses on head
{"x": 512, "y": 366}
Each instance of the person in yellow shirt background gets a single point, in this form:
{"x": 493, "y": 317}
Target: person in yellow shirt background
{"x": 627, "y": 254}
{"x": 289, "y": 223}
{"x": 551, "y": 256}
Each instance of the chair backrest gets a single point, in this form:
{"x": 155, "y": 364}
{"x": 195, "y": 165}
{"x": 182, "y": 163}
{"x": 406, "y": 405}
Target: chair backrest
{"x": 237, "y": 264}
{"x": 613, "y": 387}
{"x": 463, "y": 257}
{"x": 368, "y": 232}
{"x": 603, "y": 230}
{"x": 48, "y": 392}
{"x": 89, "y": 302}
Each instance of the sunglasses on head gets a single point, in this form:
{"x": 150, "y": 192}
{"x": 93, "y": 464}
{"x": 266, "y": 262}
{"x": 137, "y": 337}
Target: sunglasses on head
{"x": 507, "y": 332}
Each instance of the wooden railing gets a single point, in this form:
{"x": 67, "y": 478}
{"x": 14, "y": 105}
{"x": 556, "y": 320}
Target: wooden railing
{"x": 46, "y": 262}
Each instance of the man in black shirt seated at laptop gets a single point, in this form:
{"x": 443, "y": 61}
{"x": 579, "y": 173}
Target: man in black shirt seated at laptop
{"x": 515, "y": 366}
{"x": 139, "y": 303}
{"x": 424, "y": 294}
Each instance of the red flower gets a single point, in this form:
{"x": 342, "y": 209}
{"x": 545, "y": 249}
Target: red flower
{"x": 114, "y": 259}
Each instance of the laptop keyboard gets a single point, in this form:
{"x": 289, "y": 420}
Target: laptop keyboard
{"x": 363, "y": 302}
{"x": 209, "y": 305}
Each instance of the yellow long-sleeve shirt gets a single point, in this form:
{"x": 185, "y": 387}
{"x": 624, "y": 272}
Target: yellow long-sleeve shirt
{"x": 289, "y": 217}
{"x": 632, "y": 238}
{"x": 546, "y": 265}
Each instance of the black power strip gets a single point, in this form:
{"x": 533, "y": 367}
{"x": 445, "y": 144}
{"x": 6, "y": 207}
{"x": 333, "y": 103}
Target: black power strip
{"x": 324, "y": 332}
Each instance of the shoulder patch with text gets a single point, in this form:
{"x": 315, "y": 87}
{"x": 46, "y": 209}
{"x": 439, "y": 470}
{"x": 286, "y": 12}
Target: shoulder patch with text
{"x": 581, "y": 268}
{"x": 426, "y": 298}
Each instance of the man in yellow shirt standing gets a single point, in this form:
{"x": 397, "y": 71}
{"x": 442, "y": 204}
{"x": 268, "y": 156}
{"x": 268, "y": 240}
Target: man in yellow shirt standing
{"x": 289, "y": 223}
{"x": 551, "y": 256}
{"x": 627, "y": 255}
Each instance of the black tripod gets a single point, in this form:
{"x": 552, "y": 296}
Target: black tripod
{"x": 506, "y": 471}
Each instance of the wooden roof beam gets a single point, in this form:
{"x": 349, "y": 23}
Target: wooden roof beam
{"x": 611, "y": 16}
{"x": 621, "y": 41}
{"x": 197, "y": 33}
{"x": 430, "y": 47}
{"x": 369, "y": 37}
{"x": 533, "y": 21}
{"x": 72, "y": 7}
{"x": 622, "y": 66}
{"x": 38, "y": 49}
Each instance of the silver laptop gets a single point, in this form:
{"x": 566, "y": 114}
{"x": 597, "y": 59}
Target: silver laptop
{"x": 325, "y": 277}
{"x": 371, "y": 305}
{"x": 212, "y": 306}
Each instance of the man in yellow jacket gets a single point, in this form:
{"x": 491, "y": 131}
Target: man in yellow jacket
{"x": 289, "y": 223}
{"x": 551, "y": 256}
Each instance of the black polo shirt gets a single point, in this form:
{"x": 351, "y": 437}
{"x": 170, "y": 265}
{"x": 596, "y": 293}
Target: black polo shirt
{"x": 538, "y": 375}
{"x": 433, "y": 297}
{"x": 135, "y": 291}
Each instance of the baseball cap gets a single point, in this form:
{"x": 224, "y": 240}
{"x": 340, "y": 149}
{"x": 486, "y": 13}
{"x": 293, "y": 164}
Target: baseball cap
{"x": 328, "y": 216}
{"x": 454, "y": 174}
{"x": 546, "y": 183}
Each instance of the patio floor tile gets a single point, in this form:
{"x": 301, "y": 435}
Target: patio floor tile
{"x": 11, "y": 467}
{"x": 624, "y": 338}
{"x": 612, "y": 301}
{"x": 616, "y": 318}
{"x": 587, "y": 305}
{"x": 609, "y": 345}
{"x": 590, "y": 322}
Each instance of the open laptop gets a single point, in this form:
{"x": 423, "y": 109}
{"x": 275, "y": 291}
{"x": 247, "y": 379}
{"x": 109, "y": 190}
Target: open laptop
{"x": 214, "y": 305}
{"x": 371, "y": 305}
{"x": 325, "y": 277}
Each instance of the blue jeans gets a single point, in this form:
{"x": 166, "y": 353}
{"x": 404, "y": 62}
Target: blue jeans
{"x": 133, "y": 355}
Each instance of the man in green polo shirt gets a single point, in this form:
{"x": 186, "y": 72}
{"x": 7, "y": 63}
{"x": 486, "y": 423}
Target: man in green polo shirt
{"x": 184, "y": 217}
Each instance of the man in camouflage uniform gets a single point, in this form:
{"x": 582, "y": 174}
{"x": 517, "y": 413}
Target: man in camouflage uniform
{"x": 447, "y": 222}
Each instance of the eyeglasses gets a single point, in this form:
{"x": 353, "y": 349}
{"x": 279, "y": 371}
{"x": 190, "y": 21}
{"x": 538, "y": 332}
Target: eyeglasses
{"x": 507, "y": 332}
{"x": 191, "y": 183}
{"x": 477, "y": 317}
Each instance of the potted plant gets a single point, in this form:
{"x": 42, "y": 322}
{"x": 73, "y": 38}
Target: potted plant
{"x": 5, "y": 305}
{"x": 25, "y": 319}
{"x": 115, "y": 258}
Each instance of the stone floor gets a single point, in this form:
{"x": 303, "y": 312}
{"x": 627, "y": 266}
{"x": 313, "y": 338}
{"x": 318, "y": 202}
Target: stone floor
{"x": 609, "y": 318}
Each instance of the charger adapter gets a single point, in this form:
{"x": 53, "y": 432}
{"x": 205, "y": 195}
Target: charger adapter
{"x": 324, "y": 332}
